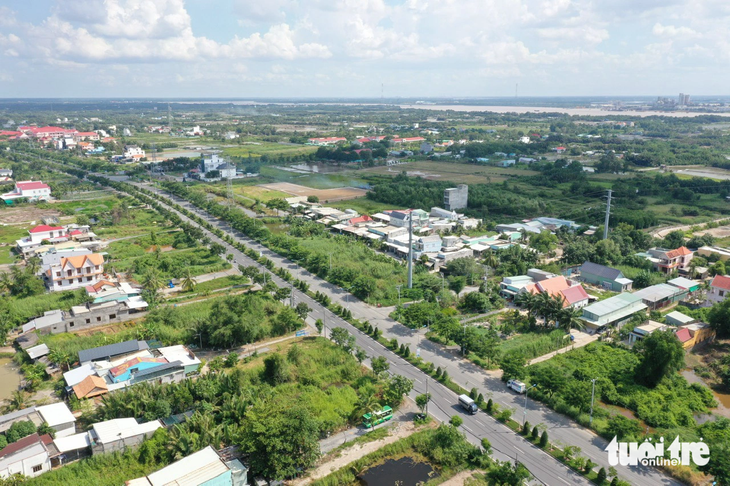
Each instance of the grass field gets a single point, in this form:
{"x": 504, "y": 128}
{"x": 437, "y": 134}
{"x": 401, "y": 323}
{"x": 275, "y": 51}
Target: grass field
{"x": 363, "y": 205}
{"x": 269, "y": 148}
{"x": 349, "y": 178}
{"x": 261, "y": 193}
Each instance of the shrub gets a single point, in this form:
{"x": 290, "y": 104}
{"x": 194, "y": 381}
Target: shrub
{"x": 490, "y": 406}
{"x": 544, "y": 439}
{"x": 438, "y": 373}
{"x": 473, "y": 394}
{"x": 601, "y": 476}
{"x": 526, "y": 428}
{"x": 535, "y": 433}
{"x": 480, "y": 400}
{"x": 456, "y": 421}
{"x": 504, "y": 415}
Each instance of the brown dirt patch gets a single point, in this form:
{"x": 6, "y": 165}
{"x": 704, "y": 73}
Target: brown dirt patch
{"x": 331, "y": 195}
{"x": 26, "y": 214}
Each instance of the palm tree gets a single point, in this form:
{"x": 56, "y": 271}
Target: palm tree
{"x": 33, "y": 264}
{"x": 491, "y": 260}
{"x": 151, "y": 280}
{"x": 368, "y": 403}
{"x": 18, "y": 400}
{"x": 6, "y": 282}
{"x": 188, "y": 283}
{"x": 570, "y": 318}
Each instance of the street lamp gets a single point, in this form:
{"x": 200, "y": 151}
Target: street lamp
{"x": 397, "y": 287}
{"x": 593, "y": 394}
{"x": 524, "y": 410}
{"x": 443, "y": 281}
{"x": 199, "y": 335}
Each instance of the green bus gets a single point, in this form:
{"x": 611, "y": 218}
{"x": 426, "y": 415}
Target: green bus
{"x": 377, "y": 418}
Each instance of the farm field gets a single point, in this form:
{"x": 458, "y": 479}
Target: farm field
{"x": 363, "y": 205}
{"x": 331, "y": 195}
{"x": 258, "y": 192}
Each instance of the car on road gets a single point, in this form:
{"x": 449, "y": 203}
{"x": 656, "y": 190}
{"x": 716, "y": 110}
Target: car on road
{"x": 517, "y": 386}
{"x": 468, "y": 404}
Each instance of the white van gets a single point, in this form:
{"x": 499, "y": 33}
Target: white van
{"x": 468, "y": 404}
{"x": 517, "y": 386}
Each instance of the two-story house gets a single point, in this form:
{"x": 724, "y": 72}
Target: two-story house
{"x": 30, "y": 190}
{"x": 74, "y": 272}
{"x": 29, "y": 456}
{"x": 668, "y": 261}
{"x": 133, "y": 152}
{"x": 719, "y": 289}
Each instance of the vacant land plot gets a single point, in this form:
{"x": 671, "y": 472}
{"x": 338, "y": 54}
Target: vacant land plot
{"x": 339, "y": 194}
{"x": 270, "y": 149}
{"x": 449, "y": 171}
{"x": 26, "y": 214}
{"x": 259, "y": 192}
{"x": 364, "y": 205}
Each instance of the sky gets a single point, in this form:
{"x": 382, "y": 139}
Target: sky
{"x": 360, "y": 48}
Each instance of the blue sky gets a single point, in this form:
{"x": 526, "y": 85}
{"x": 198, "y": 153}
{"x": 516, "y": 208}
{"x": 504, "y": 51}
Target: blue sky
{"x": 348, "y": 48}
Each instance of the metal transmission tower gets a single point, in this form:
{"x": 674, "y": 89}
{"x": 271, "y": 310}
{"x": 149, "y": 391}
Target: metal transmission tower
{"x": 154, "y": 152}
{"x": 608, "y": 213}
{"x": 169, "y": 117}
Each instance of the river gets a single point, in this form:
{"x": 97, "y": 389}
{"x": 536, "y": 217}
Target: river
{"x": 9, "y": 378}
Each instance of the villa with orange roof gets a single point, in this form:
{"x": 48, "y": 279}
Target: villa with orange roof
{"x": 74, "y": 272}
{"x": 668, "y": 261}
{"x": 572, "y": 295}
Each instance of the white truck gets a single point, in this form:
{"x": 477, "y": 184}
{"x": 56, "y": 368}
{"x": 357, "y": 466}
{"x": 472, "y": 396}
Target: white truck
{"x": 517, "y": 386}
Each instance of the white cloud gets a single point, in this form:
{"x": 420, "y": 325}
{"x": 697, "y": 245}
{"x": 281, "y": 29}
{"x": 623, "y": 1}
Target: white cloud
{"x": 672, "y": 31}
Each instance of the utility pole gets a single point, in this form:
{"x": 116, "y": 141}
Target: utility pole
{"x": 410, "y": 250}
{"x": 608, "y": 213}
{"x": 291, "y": 296}
{"x": 593, "y": 394}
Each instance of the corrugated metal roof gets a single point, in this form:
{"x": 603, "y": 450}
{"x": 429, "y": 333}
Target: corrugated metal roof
{"x": 192, "y": 470}
{"x": 122, "y": 428}
{"x": 37, "y": 351}
{"x": 111, "y": 350}
{"x": 56, "y": 414}
{"x": 658, "y": 292}
{"x": 600, "y": 270}
{"x": 72, "y": 442}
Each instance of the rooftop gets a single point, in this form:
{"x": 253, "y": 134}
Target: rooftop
{"x": 721, "y": 282}
{"x": 657, "y": 292}
{"x": 111, "y": 350}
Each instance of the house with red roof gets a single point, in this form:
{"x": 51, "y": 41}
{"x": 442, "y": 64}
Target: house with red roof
{"x": 30, "y": 190}
{"x": 408, "y": 140}
{"x": 74, "y": 272}
{"x": 719, "y": 289}
{"x": 29, "y": 456}
{"x": 668, "y": 261}
{"x": 360, "y": 220}
{"x": 572, "y": 295}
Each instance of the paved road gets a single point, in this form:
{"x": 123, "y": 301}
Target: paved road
{"x": 507, "y": 445}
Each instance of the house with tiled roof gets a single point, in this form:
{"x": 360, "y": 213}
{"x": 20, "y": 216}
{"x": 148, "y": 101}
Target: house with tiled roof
{"x": 29, "y": 190}
{"x": 719, "y": 289}
{"x": 91, "y": 386}
{"x": 29, "y": 456}
{"x": 571, "y": 295}
{"x": 73, "y": 272}
{"x": 668, "y": 261}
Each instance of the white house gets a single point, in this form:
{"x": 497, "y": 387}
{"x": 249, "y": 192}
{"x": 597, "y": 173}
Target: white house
{"x": 29, "y": 456}
{"x": 133, "y": 152}
{"x": 31, "y": 190}
{"x": 59, "y": 418}
{"x": 74, "y": 272}
{"x": 40, "y": 233}
{"x": 227, "y": 170}
{"x": 719, "y": 289}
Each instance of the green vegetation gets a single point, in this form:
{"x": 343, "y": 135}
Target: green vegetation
{"x": 316, "y": 388}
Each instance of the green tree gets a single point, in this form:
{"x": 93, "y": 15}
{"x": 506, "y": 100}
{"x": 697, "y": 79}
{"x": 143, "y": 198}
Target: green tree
{"x": 719, "y": 318}
{"x": 380, "y": 365}
{"x": 504, "y": 473}
{"x": 302, "y": 309}
{"x": 312, "y": 199}
{"x": 188, "y": 283}
{"x": 457, "y": 284}
{"x": 216, "y": 249}
{"x": 282, "y": 438}
{"x": 513, "y": 366}
{"x": 661, "y": 354}
{"x": 343, "y": 338}
{"x": 601, "y": 478}
{"x": 456, "y": 421}
{"x": 276, "y": 369}
{"x": 642, "y": 279}
{"x": 360, "y": 355}
{"x": 20, "y": 429}
{"x": 544, "y": 242}
{"x": 544, "y": 439}
{"x": 422, "y": 401}
{"x": 608, "y": 252}
{"x": 395, "y": 388}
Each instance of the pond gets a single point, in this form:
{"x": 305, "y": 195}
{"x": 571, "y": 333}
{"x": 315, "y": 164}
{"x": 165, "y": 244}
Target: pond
{"x": 9, "y": 378}
{"x": 402, "y": 472}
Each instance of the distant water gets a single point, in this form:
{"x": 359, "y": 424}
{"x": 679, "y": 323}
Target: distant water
{"x": 9, "y": 378}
